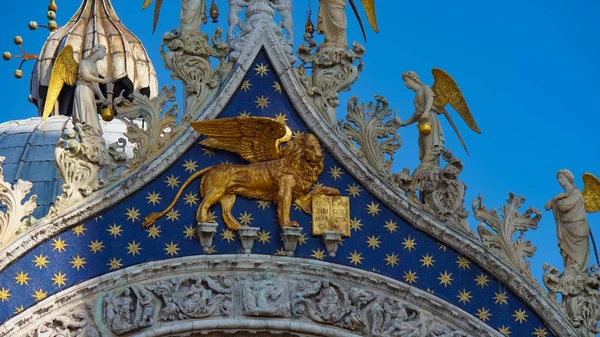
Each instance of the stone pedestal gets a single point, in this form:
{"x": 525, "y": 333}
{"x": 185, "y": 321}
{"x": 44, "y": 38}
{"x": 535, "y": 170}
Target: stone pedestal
{"x": 206, "y": 232}
{"x": 332, "y": 240}
{"x": 248, "y": 235}
{"x": 290, "y": 237}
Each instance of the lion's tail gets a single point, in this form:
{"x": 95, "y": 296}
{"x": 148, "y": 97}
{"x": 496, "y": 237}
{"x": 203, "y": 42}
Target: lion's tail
{"x": 150, "y": 219}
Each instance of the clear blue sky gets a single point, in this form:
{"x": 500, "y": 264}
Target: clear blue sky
{"x": 528, "y": 70}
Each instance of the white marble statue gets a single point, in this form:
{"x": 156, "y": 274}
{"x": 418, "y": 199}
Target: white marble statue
{"x": 431, "y": 145}
{"x": 571, "y": 225}
{"x": 87, "y": 88}
{"x": 235, "y": 7}
{"x": 284, "y": 7}
{"x": 192, "y": 15}
{"x": 332, "y": 23}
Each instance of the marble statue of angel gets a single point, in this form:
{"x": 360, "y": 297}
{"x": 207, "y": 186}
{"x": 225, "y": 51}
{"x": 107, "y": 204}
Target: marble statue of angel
{"x": 429, "y": 102}
{"x": 332, "y": 22}
{"x": 569, "y": 210}
{"x": 87, "y": 85}
{"x": 191, "y": 16}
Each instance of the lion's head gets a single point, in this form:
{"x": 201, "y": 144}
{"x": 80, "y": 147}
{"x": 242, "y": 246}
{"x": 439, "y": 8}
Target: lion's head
{"x": 303, "y": 152}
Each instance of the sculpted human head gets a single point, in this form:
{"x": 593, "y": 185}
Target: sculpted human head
{"x": 98, "y": 52}
{"x": 411, "y": 80}
{"x": 566, "y": 179}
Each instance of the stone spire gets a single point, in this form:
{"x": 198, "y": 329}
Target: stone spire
{"x": 96, "y": 22}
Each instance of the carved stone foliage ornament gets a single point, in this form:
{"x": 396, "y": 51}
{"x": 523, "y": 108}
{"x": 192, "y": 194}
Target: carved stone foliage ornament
{"x": 499, "y": 235}
{"x": 259, "y": 13}
{"x": 188, "y": 57}
{"x": 11, "y": 197}
{"x": 334, "y": 69}
{"x": 131, "y": 310}
{"x": 374, "y": 127}
{"x": 149, "y": 126}
{"x": 84, "y": 164}
{"x": 281, "y": 175}
{"x": 264, "y": 295}
{"x": 77, "y": 322}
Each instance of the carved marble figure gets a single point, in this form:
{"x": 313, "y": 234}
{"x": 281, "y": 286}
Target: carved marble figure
{"x": 191, "y": 16}
{"x": 282, "y": 175}
{"x": 235, "y": 7}
{"x": 332, "y": 22}
{"x": 430, "y": 101}
{"x": 265, "y": 297}
{"x": 87, "y": 85}
{"x": 284, "y": 7}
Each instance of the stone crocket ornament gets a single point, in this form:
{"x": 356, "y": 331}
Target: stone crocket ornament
{"x": 279, "y": 174}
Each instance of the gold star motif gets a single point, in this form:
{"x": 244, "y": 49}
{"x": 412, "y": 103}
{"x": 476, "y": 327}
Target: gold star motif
{"x": 190, "y": 232}
{"x": 373, "y": 208}
{"x": 114, "y": 264}
{"x": 18, "y": 310}
{"x": 171, "y": 249}
{"x": 355, "y": 258}
{"x": 431, "y": 291}
{"x": 354, "y": 190}
{"x": 191, "y": 199}
{"x": 409, "y": 243}
{"x": 355, "y": 224}
{"x": 263, "y": 204}
{"x": 96, "y": 246}
{"x": 373, "y": 242}
{"x": 445, "y": 278}
{"x": 391, "y": 260}
{"x": 427, "y": 261}
{"x": 504, "y": 330}
{"x": 210, "y": 216}
{"x": 281, "y": 117}
{"x": 482, "y": 280}
{"x": 153, "y": 232}
{"x": 410, "y": 277}
{"x": 246, "y": 219}
{"x": 441, "y": 247}
{"x": 463, "y": 263}
{"x": 115, "y": 230}
{"x": 335, "y": 172}
{"x": 244, "y": 114}
{"x": 227, "y": 235}
{"x": 540, "y": 332}
{"x": 99, "y": 217}
{"x": 317, "y": 185}
{"x": 483, "y": 314}
{"x": 501, "y": 298}
{"x": 281, "y": 252}
{"x": 153, "y": 198}
{"x": 4, "y": 294}
{"x": 79, "y": 230}
{"x": 172, "y": 181}
{"x": 78, "y": 262}
{"x": 302, "y": 240}
{"x": 133, "y": 214}
{"x": 464, "y": 296}
{"x": 39, "y": 295}
{"x": 520, "y": 316}
{"x": 173, "y": 215}
{"x": 211, "y": 250}
{"x": 41, "y": 261}
{"x": 59, "y": 279}
{"x": 190, "y": 166}
{"x": 208, "y": 152}
{"x": 390, "y": 226}
{"x": 246, "y": 85}
{"x": 262, "y": 102}
{"x": 59, "y": 245}
{"x": 133, "y": 248}
{"x": 261, "y": 69}
{"x": 277, "y": 87}
{"x": 264, "y": 237}
{"x": 318, "y": 254}
{"x": 22, "y": 278}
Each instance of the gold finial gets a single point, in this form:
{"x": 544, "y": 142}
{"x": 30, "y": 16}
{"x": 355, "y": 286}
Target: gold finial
{"x": 214, "y": 12}
{"x": 52, "y": 6}
{"x": 24, "y": 55}
{"x": 309, "y": 28}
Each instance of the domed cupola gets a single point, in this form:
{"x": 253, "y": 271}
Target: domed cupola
{"x": 96, "y": 22}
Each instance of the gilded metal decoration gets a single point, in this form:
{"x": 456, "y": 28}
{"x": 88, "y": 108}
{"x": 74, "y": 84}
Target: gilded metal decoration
{"x": 282, "y": 175}
{"x": 191, "y": 16}
{"x": 591, "y": 192}
{"x": 330, "y": 214}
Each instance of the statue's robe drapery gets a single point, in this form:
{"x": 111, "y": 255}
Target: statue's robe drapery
{"x": 85, "y": 110}
{"x": 431, "y": 146}
{"x": 572, "y": 230}
{"x": 332, "y": 22}
{"x": 192, "y": 15}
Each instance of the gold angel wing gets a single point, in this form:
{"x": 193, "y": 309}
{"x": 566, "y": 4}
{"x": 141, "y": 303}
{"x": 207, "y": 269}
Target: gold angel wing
{"x": 446, "y": 91}
{"x": 253, "y": 138}
{"x": 156, "y": 11}
{"x": 591, "y": 192}
{"x": 64, "y": 70}
{"x": 369, "y": 6}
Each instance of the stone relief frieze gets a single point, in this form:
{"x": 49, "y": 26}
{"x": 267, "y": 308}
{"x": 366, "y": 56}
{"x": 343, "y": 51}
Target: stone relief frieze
{"x": 264, "y": 295}
{"x": 131, "y": 310}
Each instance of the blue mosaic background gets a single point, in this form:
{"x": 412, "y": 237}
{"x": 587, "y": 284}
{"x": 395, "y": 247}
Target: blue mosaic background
{"x": 381, "y": 241}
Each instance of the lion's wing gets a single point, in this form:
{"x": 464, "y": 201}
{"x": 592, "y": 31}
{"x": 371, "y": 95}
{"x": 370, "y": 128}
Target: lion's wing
{"x": 253, "y": 138}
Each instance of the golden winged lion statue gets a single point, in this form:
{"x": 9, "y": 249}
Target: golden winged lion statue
{"x": 430, "y": 101}
{"x": 281, "y": 174}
